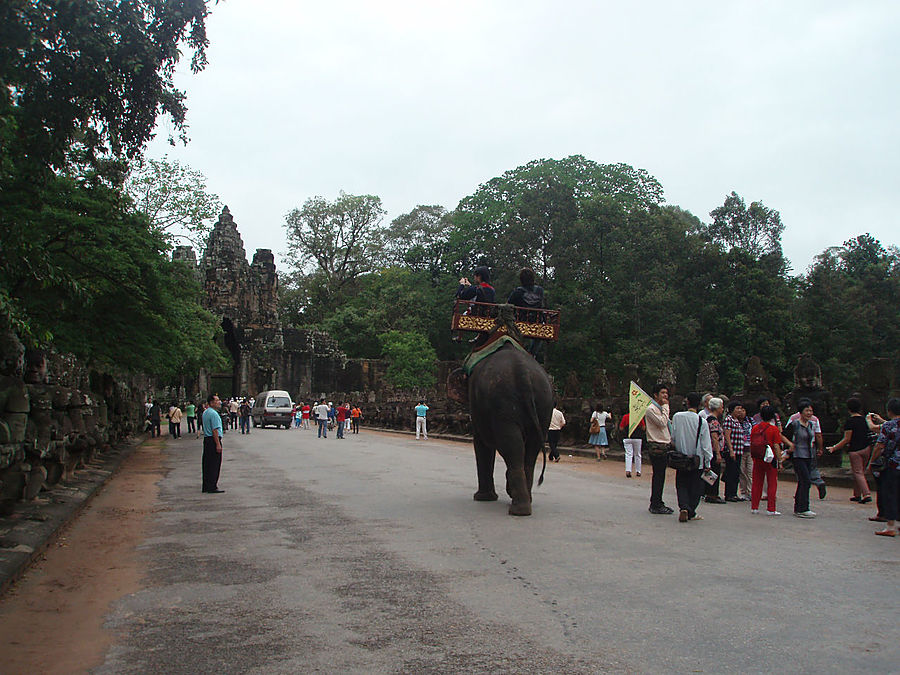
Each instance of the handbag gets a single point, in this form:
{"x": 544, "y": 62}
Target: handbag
{"x": 769, "y": 456}
{"x": 595, "y": 426}
{"x": 681, "y": 462}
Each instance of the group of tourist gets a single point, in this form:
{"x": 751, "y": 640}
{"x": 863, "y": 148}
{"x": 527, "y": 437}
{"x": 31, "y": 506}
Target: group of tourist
{"x": 341, "y": 418}
{"x": 721, "y": 442}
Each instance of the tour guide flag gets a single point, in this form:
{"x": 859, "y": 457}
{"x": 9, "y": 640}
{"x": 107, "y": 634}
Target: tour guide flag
{"x": 638, "y": 402}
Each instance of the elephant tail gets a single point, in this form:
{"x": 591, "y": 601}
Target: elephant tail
{"x": 543, "y": 468}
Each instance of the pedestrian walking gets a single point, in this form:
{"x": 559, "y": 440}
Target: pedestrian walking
{"x": 355, "y": 415}
{"x": 175, "y": 415}
{"x": 212, "y": 445}
{"x": 856, "y": 436}
{"x": 190, "y": 413}
{"x": 690, "y": 436}
{"x": 802, "y": 433}
{"x": 632, "y": 444}
{"x": 765, "y": 439}
{"x": 557, "y": 422}
{"x": 154, "y": 414}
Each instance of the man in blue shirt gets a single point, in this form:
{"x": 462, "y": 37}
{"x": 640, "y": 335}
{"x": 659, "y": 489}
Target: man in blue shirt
{"x": 421, "y": 409}
{"x": 212, "y": 445}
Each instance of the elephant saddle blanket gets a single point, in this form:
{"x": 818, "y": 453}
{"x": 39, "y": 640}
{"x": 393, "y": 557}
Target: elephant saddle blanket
{"x": 491, "y": 346}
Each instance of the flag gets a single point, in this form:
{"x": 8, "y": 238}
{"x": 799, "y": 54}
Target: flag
{"x": 638, "y": 402}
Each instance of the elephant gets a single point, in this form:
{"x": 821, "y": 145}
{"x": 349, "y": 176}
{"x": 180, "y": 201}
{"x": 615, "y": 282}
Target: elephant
{"x": 510, "y": 401}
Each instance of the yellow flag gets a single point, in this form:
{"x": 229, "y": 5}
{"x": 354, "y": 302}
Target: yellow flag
{"x": 638, "y": 402}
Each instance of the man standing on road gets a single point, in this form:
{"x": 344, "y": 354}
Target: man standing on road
{"x": 322, "y": 419}
{"x": 421, "y": 426}
{"x": 737, "y": 443}
{"x": 154, "y": 414}
{"x": 659, "y": 442}
{"x": 212, "y": 445}
{"x": 244, "y": 412}
{"x": 690, "y": 435}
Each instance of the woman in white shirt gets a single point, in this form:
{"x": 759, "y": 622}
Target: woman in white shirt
{"x": 598, "y": 431}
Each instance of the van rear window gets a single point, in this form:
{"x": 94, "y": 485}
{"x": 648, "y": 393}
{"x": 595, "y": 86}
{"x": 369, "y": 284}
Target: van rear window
{"x": 278, "y": 402}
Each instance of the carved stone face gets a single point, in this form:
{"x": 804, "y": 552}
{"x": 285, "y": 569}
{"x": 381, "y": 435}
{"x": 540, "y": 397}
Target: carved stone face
{"x": 809, "y": 375}
{"x": 755, "y": 377}
{"x": 35, "y": 366}
{"x": 12, "y": 355}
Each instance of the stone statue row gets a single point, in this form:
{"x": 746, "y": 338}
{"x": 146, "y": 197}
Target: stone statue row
{"x": 55, "y": 416}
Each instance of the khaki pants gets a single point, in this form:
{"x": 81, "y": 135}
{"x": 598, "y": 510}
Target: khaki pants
{"x": 746, "y": 479}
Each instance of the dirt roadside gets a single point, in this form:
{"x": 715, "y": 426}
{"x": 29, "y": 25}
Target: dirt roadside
{"x": 51, "y": 620}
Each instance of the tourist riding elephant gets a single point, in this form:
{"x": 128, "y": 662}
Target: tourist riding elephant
{"x": 511, "y": 400}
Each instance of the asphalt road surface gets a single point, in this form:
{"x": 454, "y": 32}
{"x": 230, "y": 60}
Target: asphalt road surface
{"x": 368, "y": 555}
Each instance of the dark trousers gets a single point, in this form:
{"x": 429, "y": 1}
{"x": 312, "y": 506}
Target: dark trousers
{"x": 801, "y": 496}
{"x": 212, "y": 464}
{"x": 191, "y": 426}
{"x": 154, "y": 429}
{"x": 658, "y": 482}
{"x": 732, "y": 475}
{"x": 245, "y": 425}
{"x": 355, "y": 425}
{"x": 689, "y": 488}
{"x": 713, "y": 490}
{"x": 323, "y": 428}
{"x": 340, "y": 428}
{"x": 553, "y": 440}
{"x": 888, "y": 487}
{"x": 175, "y": 429}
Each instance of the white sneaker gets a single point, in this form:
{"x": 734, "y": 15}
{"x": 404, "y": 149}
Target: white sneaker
{"x": 754, "y": 510}
{"x": 773, "y": 513}
{"x": 806, "y": 514}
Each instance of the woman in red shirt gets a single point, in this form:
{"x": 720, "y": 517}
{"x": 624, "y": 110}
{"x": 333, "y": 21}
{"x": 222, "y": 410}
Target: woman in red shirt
{"x": 765, "y": 434}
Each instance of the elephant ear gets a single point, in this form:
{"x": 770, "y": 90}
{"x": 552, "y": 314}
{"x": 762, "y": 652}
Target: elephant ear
{"x": 458, "y": 387}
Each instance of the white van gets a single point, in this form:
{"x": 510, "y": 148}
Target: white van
{"x": 272, "y": 407}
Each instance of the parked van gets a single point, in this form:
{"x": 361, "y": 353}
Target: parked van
{"x": 272, "y": 407}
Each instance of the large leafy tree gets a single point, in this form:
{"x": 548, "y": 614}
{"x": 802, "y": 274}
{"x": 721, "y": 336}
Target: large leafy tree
{"x": 175, "y": 199}
{"x": 756, "y": 229}
{"x": 339, "y": 239}
{"x": 846, "y": 303}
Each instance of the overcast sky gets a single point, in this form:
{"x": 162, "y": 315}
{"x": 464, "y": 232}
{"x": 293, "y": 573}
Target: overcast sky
{"x": 791, "y": 103}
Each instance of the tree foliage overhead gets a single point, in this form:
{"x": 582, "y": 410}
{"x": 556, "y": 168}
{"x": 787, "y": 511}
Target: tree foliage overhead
{"x": 82, "y": 86}
{"x": 96, "y": 73}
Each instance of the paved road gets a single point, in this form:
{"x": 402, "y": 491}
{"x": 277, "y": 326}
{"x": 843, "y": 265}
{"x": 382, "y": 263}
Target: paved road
{"x": 369, "y": 555}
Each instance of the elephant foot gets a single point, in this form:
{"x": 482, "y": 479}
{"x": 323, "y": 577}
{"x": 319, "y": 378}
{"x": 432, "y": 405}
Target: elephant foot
{"x": 485, "y": 496}
{"x": 520, "y": 509}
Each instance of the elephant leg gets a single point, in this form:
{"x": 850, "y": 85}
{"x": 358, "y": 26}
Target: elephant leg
{"x": 516, "y": 483}
{"x": 484, "y": 462}
{"x": 532, "y": 450}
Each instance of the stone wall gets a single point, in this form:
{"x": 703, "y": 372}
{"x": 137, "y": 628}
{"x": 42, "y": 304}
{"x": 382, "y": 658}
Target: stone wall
{"x": 55, "y": 416}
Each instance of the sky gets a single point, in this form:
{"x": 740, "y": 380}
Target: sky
{"x": 794, "y": 104}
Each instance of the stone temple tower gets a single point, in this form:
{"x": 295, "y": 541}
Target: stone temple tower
{"x": 246, "y": 297}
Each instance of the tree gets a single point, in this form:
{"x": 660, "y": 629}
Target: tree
{"x": 418, "y": 240}
{"x": 95, "y": 74}
{"x": 342, "y": 239}
{"x": 410, "y": 358}
{"x": 175, "y": 199}
{"x": 756, "y": 230}
{"x": 82, "y": 87}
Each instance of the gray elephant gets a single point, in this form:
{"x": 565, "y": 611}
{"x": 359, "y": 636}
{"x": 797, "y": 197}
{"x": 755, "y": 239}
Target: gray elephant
{"x": 511, "y": 400}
